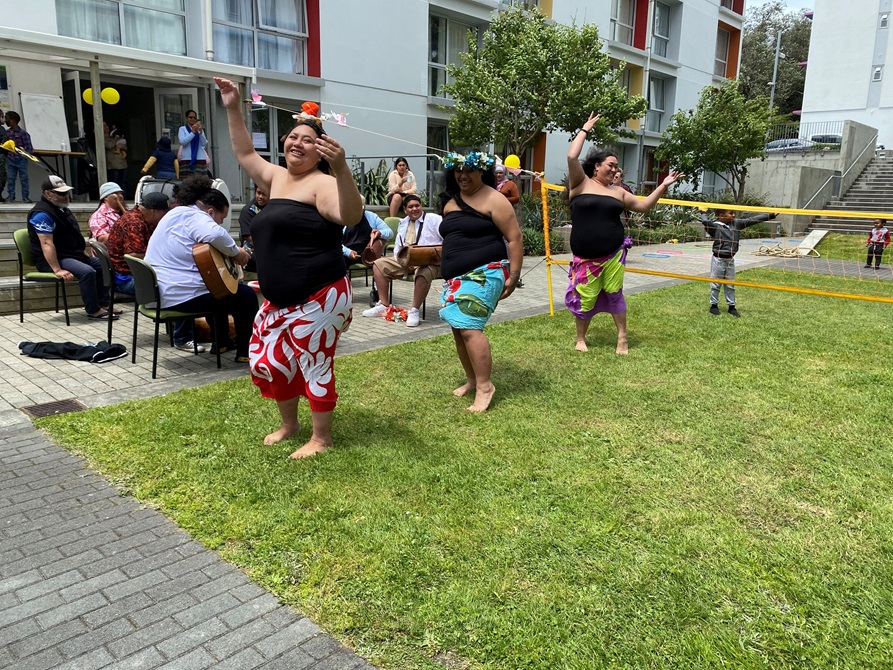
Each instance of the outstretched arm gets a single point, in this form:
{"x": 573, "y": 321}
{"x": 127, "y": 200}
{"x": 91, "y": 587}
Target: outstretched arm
{"x": 260, "y": 171}
{"x": 631, "y": 202}
{"x": 575, "y": 174}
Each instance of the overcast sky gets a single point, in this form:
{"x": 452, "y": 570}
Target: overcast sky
{"x": 795, "y": 5}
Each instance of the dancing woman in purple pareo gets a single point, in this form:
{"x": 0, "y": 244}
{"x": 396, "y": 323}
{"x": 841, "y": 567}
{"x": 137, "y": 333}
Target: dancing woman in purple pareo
{"x": 598, "y": 238}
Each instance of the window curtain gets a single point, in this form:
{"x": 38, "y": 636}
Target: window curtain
{"x": 233, "y": 11}
{"x": 233, "y": 45}
{"x": 155, "y": 31}
{"x": 282, "y": 15}
{"x": 95, "y": 20}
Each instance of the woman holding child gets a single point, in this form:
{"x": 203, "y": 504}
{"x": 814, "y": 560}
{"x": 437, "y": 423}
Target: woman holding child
{"x": 477, "y": 222}
{"x": 598, "y": 237}
{"x": 308, "y": 306}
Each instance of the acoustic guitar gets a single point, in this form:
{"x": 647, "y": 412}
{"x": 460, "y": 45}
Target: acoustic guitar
{"x": 220, "y": 273}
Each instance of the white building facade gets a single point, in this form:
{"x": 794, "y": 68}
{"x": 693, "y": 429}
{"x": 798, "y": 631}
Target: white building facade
{"x": 379, "y": 61}
{"x": 848, "y": 74}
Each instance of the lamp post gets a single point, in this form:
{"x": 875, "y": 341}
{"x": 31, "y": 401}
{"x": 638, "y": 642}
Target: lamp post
{"x": 775, "y": 71}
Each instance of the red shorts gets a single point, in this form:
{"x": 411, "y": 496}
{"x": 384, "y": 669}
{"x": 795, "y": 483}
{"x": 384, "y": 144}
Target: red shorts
{"x": 292, "y": 350}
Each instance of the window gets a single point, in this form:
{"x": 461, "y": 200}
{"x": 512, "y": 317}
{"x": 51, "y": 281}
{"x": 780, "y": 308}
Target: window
{"x": 726, "y": 3}
{"x": 267, "y": 34}
{"x": 661, "y": 36}
{"x": 877, "y": 74}
{"x": 524, "y": 4}
{"x": 885, "y": 19}
{"x": 623, "y": 20}
{"x": 154, "y": 25}
{"x": 722, "y": 53}
{"x": 656, "y": 104}
{"x": 446, "y": 40}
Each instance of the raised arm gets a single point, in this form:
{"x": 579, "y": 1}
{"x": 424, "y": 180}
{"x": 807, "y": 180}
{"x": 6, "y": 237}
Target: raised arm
{"x": 260, "y": 170}
{"x": 631, "y": 202}
{"x": 575, "y": 174}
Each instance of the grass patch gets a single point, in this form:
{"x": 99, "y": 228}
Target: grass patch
{"x": 844, "y": 247}
{"x": 721, "y": 497}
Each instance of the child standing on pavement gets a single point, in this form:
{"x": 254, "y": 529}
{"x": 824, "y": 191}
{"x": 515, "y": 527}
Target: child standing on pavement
{"x": 878, "y": 239}
{"x": 725, "y": 230}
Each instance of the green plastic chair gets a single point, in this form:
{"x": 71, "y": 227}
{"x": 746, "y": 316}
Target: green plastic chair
{"x": 23, "y": 247}
{"x": 148, "y": 303}
{"x": 393, "y": 223}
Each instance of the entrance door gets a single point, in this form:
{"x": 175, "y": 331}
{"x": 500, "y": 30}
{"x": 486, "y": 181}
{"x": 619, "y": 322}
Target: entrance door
{"x": 170, "y": 110}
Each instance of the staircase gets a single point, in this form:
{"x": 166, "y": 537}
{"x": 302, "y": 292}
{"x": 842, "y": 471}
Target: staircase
{"x": 871, "y": 192}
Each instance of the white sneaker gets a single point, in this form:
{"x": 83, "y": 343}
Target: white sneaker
{"x": 188, "y": 346}
{"x": 378, "y": 310}
{"x": 412, "y": 318}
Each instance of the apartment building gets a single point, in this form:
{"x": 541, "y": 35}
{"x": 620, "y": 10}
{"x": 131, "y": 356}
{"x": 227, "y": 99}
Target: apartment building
{"x": 381, "y": 62}
{"x": 847, "y": 75}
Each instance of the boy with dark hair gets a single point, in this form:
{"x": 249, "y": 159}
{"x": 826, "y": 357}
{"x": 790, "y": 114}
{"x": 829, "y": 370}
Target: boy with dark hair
{"x": 725, "y": 230}
{"x": 878, "y": 239}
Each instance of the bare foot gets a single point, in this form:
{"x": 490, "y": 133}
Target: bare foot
{"x": 283, "y": 433}
{"x": 581, "y": 346}
{"x": 482, "y": 399}
{"x": 465, "y": 388}
{"x": 312, "y": 448}
{"x": 622, "y": 347}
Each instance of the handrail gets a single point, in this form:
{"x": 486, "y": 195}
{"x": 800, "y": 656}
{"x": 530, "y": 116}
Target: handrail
{"x": 873, "y": 141}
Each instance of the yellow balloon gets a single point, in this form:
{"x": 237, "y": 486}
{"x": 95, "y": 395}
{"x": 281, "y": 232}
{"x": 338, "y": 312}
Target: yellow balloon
{"x": 512, "y": 161}
{"x": 110, "y": 96}
{"x": 87, "y": 95}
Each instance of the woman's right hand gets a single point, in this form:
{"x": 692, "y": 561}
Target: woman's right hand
{"x": 229, "y": 92}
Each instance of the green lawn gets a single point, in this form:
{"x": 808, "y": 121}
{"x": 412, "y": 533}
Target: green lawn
{"x": 840, "y": 246}
{"x": 719, "y": 498}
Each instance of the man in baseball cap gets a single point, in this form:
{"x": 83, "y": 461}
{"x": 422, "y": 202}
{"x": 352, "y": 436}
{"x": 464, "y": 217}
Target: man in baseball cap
{"x": 130, "y": 235}
{"x": 57, "y": 246}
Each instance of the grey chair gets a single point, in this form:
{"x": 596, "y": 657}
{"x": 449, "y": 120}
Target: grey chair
{"x": 108, "y": 278}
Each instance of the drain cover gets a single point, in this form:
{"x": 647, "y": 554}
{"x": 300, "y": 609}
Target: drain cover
{"x": 53, "y": 408}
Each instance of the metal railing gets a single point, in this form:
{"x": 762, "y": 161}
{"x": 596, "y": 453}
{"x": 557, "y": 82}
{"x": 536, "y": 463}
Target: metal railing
{"x": 839, "y": 177}
{"x": 820, "y": 132}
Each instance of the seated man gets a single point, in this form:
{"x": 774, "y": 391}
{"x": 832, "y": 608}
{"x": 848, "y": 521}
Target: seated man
{"x": 258, "y": 202}
{"x": 416, "y": 228}
{"x": 131, "y": 234}
{"x": 58, "y": 246}
{"x": 182, "y": 288}
{"x": 371, "y": 231}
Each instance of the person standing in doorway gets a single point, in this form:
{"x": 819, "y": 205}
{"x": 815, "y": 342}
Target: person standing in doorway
{"x": 193, "y": 146}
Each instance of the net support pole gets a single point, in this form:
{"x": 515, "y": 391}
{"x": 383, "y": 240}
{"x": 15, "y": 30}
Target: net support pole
{"x": 544, "y": 197}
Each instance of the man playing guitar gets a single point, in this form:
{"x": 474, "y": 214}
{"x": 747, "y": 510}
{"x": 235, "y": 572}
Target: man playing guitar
{"x": 180, "y": 282}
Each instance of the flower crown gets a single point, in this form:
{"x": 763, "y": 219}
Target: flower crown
{"x": 475, "y": 160}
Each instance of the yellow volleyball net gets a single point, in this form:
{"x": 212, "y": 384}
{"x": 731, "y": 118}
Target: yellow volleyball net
{"x": 670, "y": 241}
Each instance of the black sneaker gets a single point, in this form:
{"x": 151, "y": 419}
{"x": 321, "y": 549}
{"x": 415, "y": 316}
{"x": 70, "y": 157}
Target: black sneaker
{"x": 867, "y": 267}
{"x": 714, "y": 310}
{"x": 373, "y": 297}
{"x": 734, "y": 312}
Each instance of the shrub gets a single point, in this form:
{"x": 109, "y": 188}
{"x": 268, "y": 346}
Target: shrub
{"x": 373, "y": 184}
{"x": 535, "y": 242}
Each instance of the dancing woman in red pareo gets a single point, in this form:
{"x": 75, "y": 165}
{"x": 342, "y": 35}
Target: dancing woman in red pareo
{"x": 300, "y": 268}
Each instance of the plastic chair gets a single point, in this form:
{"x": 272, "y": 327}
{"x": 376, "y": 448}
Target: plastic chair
{"x": 148, "y": 303}
{"x": 23, "y": 247}
{"x": 393, "y": 223}
{"x": 108, "y": 278}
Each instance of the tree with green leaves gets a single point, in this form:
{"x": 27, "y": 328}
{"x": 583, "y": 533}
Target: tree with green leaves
{"x": 761, "y": 27}
{"x": 724, "y": 132}
{"x": 530, "y": 75}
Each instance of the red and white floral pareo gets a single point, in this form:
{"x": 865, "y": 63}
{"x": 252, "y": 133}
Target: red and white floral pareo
{"x": 292, "y": 350}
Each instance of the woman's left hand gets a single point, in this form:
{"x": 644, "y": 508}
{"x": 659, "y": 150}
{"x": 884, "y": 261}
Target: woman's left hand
{"x": 510, "y": 285}
{"x": 332, "y": 151}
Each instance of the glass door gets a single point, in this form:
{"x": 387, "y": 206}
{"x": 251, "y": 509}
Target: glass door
{"x": 171, "y": 105}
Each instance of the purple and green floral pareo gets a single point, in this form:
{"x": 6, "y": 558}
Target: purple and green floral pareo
{"x": 468, "y": 300}
{"x": 596, "y": 284}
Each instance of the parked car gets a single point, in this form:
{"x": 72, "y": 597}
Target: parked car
{"x": 788, "y": 145}
{"x": 827, "y": 139}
